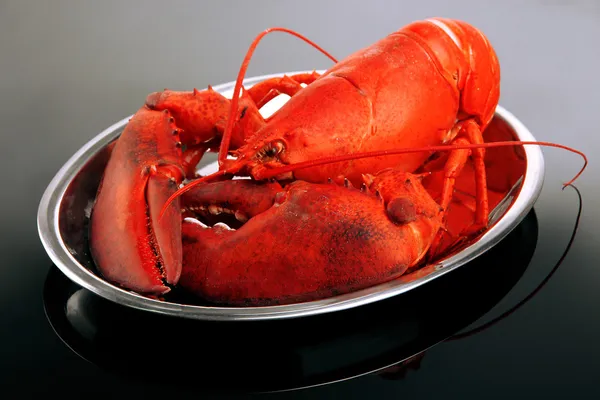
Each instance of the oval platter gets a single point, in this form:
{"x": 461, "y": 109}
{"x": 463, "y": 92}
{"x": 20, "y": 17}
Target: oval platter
{"x": 65, "y": 207}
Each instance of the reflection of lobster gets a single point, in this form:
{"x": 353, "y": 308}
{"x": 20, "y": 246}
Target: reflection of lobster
{"x": 359, "y": 217}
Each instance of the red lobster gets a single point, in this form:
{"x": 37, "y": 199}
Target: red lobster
{"x": 377, "y": 116}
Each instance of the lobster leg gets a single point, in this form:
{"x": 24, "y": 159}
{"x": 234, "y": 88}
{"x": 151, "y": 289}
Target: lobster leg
{"x": 454, "y": 165}
{"x": 267, "y": 90}
{"x": 475, "y": 136}
{"x": 469, "y": 134}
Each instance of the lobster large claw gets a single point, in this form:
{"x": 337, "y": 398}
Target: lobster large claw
{"x": 304, "y": 241}
{"x": 134, "y": 244}
{"x": 130, "y": 245}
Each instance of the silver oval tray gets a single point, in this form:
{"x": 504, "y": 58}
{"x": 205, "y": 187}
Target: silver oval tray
{"x": 66, "y": 204}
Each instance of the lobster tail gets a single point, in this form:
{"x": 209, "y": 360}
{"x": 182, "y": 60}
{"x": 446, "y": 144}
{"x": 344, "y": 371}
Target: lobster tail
{"x": 466, "y": 59}
{"x": 481, "y": 90}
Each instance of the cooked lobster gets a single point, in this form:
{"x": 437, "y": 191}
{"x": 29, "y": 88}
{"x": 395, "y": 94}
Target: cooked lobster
{"x": 334, "y": 202}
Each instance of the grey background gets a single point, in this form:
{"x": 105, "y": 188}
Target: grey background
{"x": 69, "y": 69}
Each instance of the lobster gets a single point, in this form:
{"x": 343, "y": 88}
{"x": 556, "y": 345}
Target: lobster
{"x": 310, "y": 226}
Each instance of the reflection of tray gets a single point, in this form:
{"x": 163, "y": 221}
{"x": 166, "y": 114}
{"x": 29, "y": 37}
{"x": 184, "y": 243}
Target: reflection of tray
{"x": 64, "y": 210}
{"x": 304, "y": 352}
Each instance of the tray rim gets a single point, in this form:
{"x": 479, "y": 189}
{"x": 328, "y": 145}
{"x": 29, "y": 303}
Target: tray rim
{"x": 49, "y": 232}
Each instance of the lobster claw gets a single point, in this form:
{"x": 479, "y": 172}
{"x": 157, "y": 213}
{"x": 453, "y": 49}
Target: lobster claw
{"x": 284, "y": 250}
{"x": 131, "y": 246}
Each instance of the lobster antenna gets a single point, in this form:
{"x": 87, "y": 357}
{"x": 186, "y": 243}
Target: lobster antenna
{"x": 224, "y": 148}
{"x": 271, "y": 173}
{"x": 536, "y": 290}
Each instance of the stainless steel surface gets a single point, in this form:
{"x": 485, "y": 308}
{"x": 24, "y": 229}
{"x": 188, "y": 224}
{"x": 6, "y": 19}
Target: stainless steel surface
{"x": 65, "y": 206}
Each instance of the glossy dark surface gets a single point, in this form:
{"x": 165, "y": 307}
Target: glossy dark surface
{"x": 293, "y": 353}
{"x": 68, "y": 70}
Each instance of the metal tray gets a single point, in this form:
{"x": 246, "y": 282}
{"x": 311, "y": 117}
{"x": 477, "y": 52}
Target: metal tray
{"x": 65, "y": 206}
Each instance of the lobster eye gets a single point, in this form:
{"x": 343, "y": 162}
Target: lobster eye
{"x": 277, "y": 147}
{"x": 271, "y": 150}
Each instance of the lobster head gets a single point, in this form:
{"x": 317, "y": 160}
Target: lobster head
{"x": 263, "y": 159}
{"x": 255, "y": 158}
{"x": 291, "y": 142}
